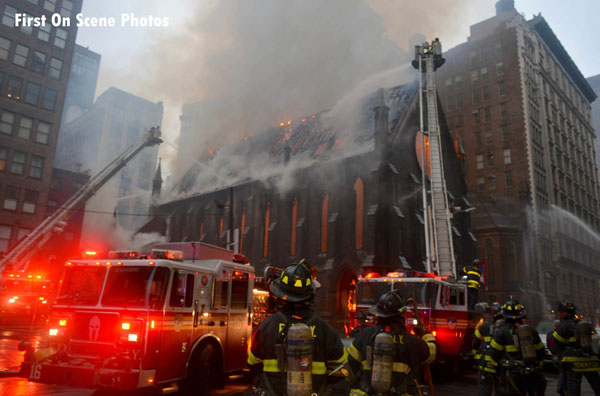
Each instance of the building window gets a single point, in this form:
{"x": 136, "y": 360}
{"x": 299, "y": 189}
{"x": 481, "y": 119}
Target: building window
{"x": 3, "y": 157}
{"x": 488, "y": 136}
{"x": 476, "y": 116}
{"x": 503, "y": 112}
{"x": 43, "y": 131}
{"x": 21, "y": 54}
{"x": 501, "y": 89}
{"x": 485, "y": 93}
{"x": 459, "y": 120}
{"x": 60, "y": 39}
{"x": 478, "y": 142}
{"x": 4, "y": 48}
{"x": 484, "y": 73}
{"x": 490, "y": 158}
{"x": 32, "y": 93}
{"x": 11, "y": 197}
{"x": 500, "y": 68}
{"x": 359, "y": 190}
{"x": 505, "y": 134}
{"x": 30, "y": 201}
{"x": 67, "y": 8}
{"x": 44, "y": 32}
{"x": 294, "y": 224}
{"x": 26, "y": 28}
{"x": 23, "y": 232}
{"x": 481, "y": 183}
{"x": 50, "y": 5}
{"x": 38, "y": 62}
{"x": 509, "y": 180}
{"x": 479, "y": 158}
{"x": 507, "y": 159}
{"x": 37, "y": 166}
{"x": 25, "y": 126}
{"x": 18, "y": 163}
{"x": 55, "y": 68}
{"x": 266, "y": 236}
{"x": 13, "y": 87}
{"x": 49, "y": 100}
{"x": 474, "y": 76}
{"x": 8, "y": 18}
{"x": 242, "y": 229}
{"x": 492, "y": 182}
{"x": 324, "y": 219}
{"x": 7, "y": 120}
{"x": 486, "y": 114}
{"x": 5, "y": 232}
{"x": 476, "y": 96}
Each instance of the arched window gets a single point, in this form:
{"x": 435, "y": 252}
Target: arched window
{"x": 267, "y": 222}
{"x": 293, "y": 231}
{"x": 511, "y": 255}
{"x": 359, "y": 189}
{"x": 221, "y": 222}
{"x": 489, "y": 259}
{"x": 201, "y": 230}
{"x": 324, "y": 219}
{"x": 242, "y": 228}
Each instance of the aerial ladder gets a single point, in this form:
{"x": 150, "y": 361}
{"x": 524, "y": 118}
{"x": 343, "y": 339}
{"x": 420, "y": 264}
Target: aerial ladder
{"x": 20, "y": 255}
{"x": 439, "y": 249}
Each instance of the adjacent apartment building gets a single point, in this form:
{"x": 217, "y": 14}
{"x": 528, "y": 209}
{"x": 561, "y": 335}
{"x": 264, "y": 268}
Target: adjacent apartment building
{"x": 81, "y": 89}
{"x": 523, "y": 111}
{"x": 116, "y": 121}
{"x": 594, "y": 82}
{"x": 34, "y": 70}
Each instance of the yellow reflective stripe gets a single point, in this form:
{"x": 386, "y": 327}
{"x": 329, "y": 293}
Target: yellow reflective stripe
{"x": 365, "y": 365}
{"x": 428, "y": 337}
{"x": 401, "y": 368}
{"x": 572, "y": 339}
{"x": 489, "y": 370}
{"x": 270, "y": 366}
{"x": 357, "y": 392}
{"x": 488, "y": 358}
{"x": 342, "y": 358}
{"x": 477, "y": 356}
{"x": 355, "y": 353}
{"x": 487, "y": 339}
{"x": 473, "y": 273}
{"x": 253, "y": 359}
{"x": 559, "y": 338}
{"x": 580, "y": 359}
{"x": 539, "y": 345}
{"x": 319, "y": 368}
{"x": 496, "y": 346}
{"x": 478, "y": 334}
{"x": 512, "y": 348}
{"x": 432, "y": 351}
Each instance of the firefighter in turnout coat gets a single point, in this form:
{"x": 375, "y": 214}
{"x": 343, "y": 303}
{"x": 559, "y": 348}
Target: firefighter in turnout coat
{"x": 389, "y": 368}
{"x": 573, "y": 346}
{"x": 482, "y": 350}
{"x": 270, "y": 351}
{"x": 473, "y": 273}
{"x": 520, "y": 351}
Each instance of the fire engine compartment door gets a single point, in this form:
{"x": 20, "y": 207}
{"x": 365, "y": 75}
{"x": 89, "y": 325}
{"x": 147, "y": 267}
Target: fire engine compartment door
{"x": 218, "y": 320}
{"x": 239, "y": 329}
{"x": 176, "y": 339}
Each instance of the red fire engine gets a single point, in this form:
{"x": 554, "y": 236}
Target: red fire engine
{"x": 24, "y": 298}
{"x": 179, "y": 315}
{"x": 442, "y": 306}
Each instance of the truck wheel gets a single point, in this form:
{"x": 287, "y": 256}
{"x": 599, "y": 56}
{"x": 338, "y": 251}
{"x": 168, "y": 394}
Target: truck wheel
{"x": 204, "y": 372}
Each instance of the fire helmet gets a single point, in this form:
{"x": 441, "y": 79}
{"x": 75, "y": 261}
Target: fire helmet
{"x": 389, "y": 304}
{"x": 512, "y": 309}
{"x": 295, "y": 284}
{"x": 496, "y": 310}
{"x": 476, "y": 263}
{"x": 567, "y": 306}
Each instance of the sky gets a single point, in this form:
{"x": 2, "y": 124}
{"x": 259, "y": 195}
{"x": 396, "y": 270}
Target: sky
{"x": 207, "y": 51}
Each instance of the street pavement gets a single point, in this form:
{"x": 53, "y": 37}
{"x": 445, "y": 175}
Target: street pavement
{"x": 10, "y": 357}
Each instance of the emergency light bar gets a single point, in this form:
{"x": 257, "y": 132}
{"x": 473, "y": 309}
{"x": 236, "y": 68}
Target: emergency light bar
{"x": 176, "y": 255}
{"x": 123, "y": 254}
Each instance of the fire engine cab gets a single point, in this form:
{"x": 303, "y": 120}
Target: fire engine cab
{"x": 441, "y": 302}
{"x": 180, "y": 316}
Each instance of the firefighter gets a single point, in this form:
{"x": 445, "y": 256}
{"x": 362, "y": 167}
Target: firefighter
{"x": 271, "y": 351}
{"x": 361, "y": 318}
{"x": 386, "y": 357}
{"x": 573, "y": 346}
{"x": 473, "y": 274}
{"x": 520, "y": 351}
{"x": 482, "y": 350}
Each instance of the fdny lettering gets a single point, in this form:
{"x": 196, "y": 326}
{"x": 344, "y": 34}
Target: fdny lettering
{"x": 398, "y": 339}
{"x": 312, "y": 329}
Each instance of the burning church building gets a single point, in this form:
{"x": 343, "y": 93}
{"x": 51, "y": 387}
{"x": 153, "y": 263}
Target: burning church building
{"x": 344, "y": 195}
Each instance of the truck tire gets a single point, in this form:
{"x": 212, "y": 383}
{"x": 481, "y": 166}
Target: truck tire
{"x": 204, "y": 372}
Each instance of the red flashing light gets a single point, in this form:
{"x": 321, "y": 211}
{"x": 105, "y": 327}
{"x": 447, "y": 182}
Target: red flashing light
{"x": 132, "y": 337}
{"x": 30, "y": 276}
{"x": 90, "y": 253}
{"x": 53, "y": 332}
{"x": 62, "y": 322}
{"x": 240, "y": 258}
{"x": 434, "y": 333}
{"x": 12, "y": 275}
{"x": 38, "y": 277}
{"x": 373, "y": 275}
{"x": 125, "y": 326}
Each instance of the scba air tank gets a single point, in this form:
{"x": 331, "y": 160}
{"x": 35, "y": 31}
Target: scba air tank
{"x": 381, "y": 374}
{"x": 299, "y": 353}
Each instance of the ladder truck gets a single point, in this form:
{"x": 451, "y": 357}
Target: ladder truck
{"x": 20, "y": 255}
{"x": 439, "y": 297}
